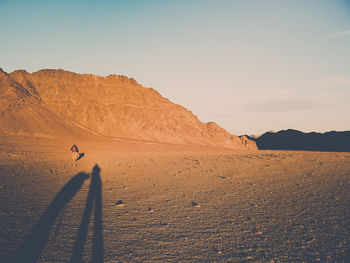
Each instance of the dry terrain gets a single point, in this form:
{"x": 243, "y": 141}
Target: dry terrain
{"x": 173, "y": 204}
{"x": 155, "y": 183}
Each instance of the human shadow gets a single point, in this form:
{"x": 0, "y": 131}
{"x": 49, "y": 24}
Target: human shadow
{"x": 81, "y": 155}
{"x": 93, "y": 202}
{"x": 30, "y": 249}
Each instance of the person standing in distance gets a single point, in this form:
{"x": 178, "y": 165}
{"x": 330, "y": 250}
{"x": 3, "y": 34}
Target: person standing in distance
{"x": 75, "y": 152}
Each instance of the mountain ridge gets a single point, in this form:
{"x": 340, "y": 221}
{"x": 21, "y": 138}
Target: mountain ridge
{"x": 117, "y": 106}
{"x": 24, "y": 114}
{"x": 292, "y": 139}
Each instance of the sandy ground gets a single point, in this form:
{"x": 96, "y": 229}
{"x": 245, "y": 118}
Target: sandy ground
{"x": 179, "y": 206}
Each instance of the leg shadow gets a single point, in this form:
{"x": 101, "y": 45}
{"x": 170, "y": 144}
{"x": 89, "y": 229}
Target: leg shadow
{"x": 98, "y": 247}
{"x": 93, "y": 201}
{"x": 81, "y": 155}
{"x": 30, "y": 249}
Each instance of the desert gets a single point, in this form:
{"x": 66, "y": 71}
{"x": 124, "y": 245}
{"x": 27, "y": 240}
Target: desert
{"x": 174, "y": 131}
{"x": 153, "y": 183}
{"x": 165, "y": 204}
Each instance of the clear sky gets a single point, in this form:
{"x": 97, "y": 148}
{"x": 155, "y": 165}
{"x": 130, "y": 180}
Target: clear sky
{"x": 251, "y": 66}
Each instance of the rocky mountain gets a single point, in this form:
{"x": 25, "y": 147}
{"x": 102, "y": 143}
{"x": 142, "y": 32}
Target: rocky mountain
{"x": 23, "y": 113}
{"x": 56, "y": 102}
{"x": 297, "y": 140}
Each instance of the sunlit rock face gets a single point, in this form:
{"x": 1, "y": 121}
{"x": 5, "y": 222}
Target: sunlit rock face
{"x": 58, "y": 102}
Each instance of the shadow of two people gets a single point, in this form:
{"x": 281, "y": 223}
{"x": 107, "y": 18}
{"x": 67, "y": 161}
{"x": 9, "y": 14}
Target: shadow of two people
{"x": 30, "y": 249}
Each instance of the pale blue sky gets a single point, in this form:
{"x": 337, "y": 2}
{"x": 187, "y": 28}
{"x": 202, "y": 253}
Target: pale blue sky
{"x": 250, "y": 66}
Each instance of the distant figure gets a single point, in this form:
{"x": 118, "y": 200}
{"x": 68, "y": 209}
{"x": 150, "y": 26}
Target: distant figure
{"x": 75, "y": 151}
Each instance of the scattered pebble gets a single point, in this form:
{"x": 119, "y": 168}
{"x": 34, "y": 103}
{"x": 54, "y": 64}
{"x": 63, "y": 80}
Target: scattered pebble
{"x": 251, "y": 204}
{"x": 217, "y": 250}
{"x": 119, "y": 203}
{"x": 196, "y": 204}
{"x": 309, "y": 240}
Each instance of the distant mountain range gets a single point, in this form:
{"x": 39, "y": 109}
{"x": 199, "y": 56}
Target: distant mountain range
{"x": 60, "y": 104}
{"x": 297, "y": 140}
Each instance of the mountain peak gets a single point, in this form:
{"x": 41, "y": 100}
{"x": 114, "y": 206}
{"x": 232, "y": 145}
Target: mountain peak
{"x": 118, "y": 106}
{"x": 20, "y": 71}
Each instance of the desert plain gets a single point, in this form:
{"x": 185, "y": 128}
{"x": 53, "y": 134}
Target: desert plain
{"x": 155, "y": 184}
{"x": 144, "y": 202}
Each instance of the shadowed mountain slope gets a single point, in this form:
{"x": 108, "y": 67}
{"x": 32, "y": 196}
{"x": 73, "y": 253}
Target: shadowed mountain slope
{"x": 297, "y": 140}
{"x": 113, "y": 106}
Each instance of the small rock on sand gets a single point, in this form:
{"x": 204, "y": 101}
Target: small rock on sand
{"x": 196, "y": 204}
{"x": 119, "y": 203}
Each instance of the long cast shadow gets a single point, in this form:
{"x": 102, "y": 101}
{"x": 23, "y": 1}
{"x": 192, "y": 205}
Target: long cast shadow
{"x": 30, "y": 249}
{"x": 98, "y": 246}
{"x": 93, "y": 201}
